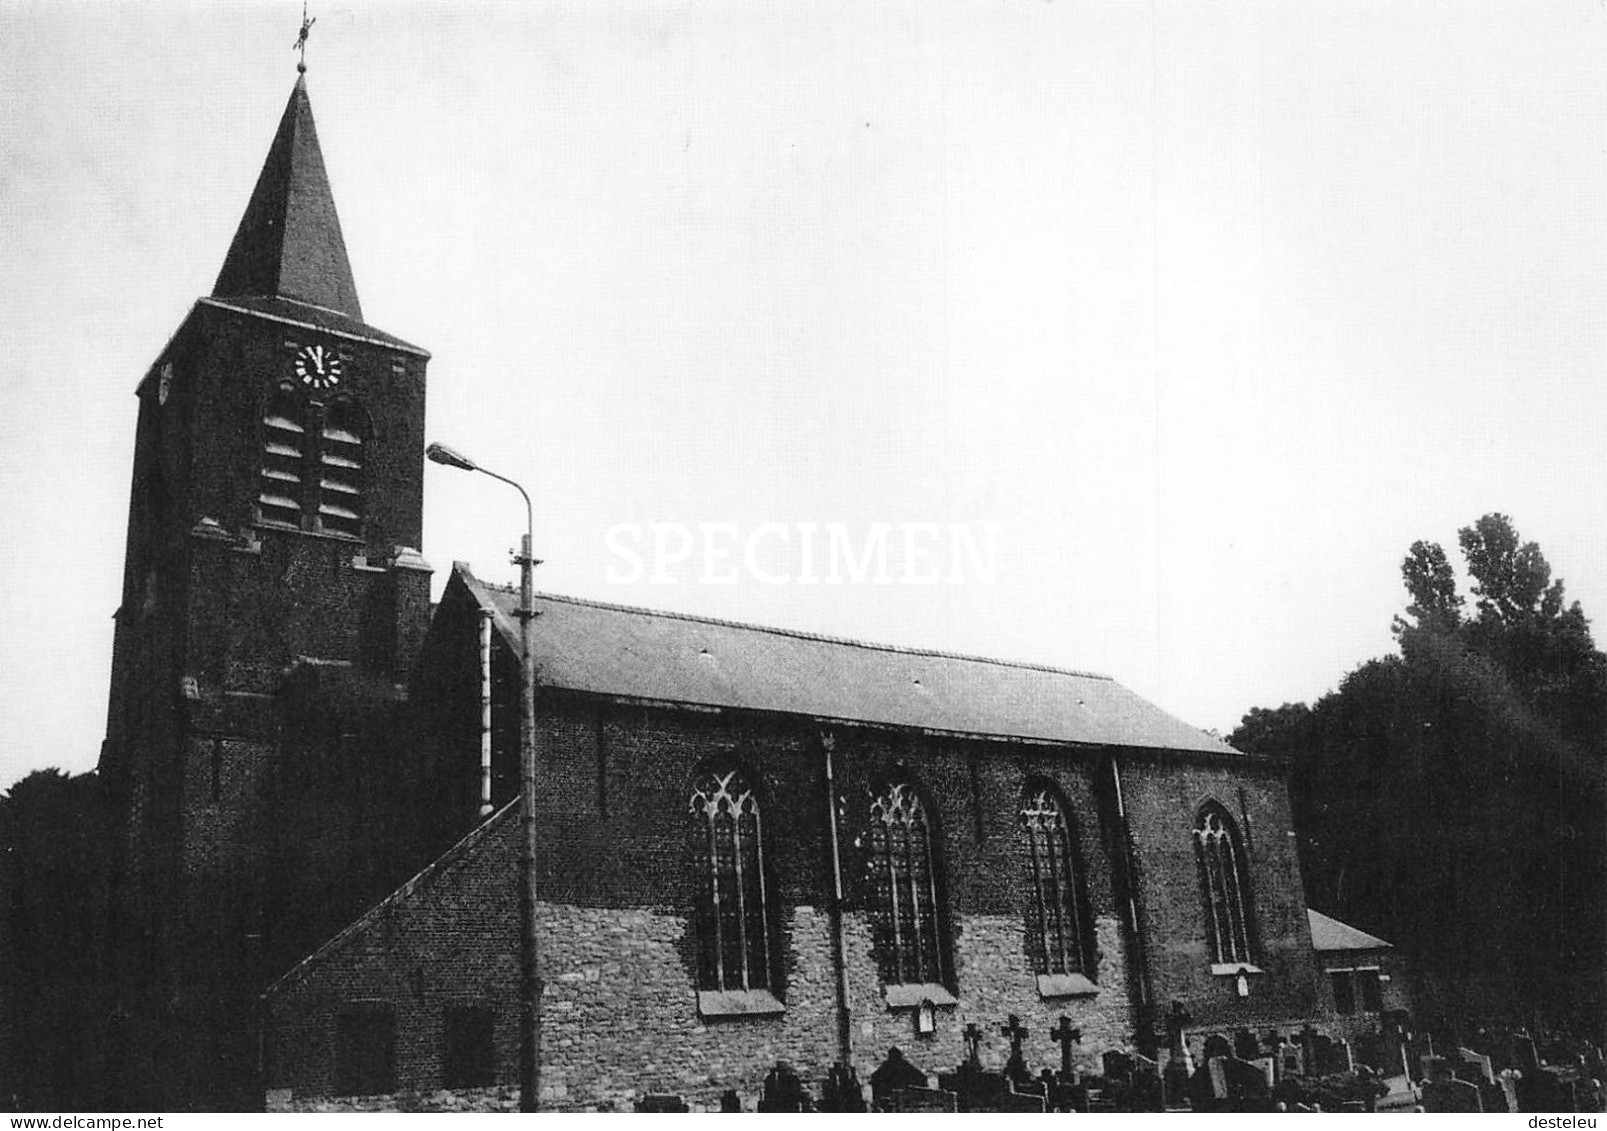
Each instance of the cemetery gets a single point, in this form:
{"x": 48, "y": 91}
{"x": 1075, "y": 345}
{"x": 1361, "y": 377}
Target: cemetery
{"x": 1396, "y": 1068}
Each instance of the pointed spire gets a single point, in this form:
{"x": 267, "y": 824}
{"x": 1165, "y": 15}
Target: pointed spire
{"x": 288, "y": 244}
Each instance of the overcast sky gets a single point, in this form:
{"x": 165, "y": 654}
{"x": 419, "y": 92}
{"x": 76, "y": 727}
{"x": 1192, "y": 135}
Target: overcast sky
{"x": 1212, "y": 309}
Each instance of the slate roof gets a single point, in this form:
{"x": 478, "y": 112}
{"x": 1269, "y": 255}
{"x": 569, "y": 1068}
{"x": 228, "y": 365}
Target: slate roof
{"x": 1328, "y": 933}
{"x": 642, "y": 654}
{"x": 289, "y": 243}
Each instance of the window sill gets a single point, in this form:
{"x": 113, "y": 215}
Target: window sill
{"x": 287, "y": 528}
{"x": 738, "y": 1003}
{"x": 909, "y": 995}
{"x": 1230, "y": 969}
{"x": 1065, "y": 985}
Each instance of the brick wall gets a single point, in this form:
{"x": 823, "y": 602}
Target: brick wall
{"x": 618, "y": 877}
{"x": 1164, "y": 794}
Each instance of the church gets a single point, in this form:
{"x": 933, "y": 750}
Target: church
{"x": 754, "y": 844}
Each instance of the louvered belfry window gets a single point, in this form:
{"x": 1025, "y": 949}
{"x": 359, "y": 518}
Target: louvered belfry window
{"x": 733, "y": 925}
{"x": 903, "y": 887}
{"x": 1224, "y": 885}
{"x": 340, "y": 471}
{"x": 1054, "y": 894}
{"x": 312, "y": 465}
{"x": 284, "y": 449}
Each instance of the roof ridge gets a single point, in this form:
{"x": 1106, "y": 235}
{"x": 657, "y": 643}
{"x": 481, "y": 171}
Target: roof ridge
{"x": 795, "y": 633}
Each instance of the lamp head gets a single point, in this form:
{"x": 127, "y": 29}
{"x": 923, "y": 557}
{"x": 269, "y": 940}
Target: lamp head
{"x": 451, "y": 457}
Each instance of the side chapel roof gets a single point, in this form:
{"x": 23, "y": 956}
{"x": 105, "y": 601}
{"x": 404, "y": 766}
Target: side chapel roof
{"x": 1328, "y": 933}
{"x": 605, "y": 649}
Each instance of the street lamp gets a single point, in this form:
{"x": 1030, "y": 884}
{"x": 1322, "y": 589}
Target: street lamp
{"x": 529, "y": 983}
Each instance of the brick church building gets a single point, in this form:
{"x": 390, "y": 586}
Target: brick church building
{"x": 755, "y": 844}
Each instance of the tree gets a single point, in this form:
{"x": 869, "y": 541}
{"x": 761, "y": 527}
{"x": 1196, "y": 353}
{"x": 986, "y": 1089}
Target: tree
{"x": 1453, "y": 799}
{"x": 1432, "y": 586}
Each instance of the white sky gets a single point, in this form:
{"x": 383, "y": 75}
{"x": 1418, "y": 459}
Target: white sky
{"x": 1213, "y": 308}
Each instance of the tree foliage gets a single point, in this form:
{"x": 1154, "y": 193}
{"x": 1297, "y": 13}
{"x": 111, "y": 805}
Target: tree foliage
{"x": 1452, "y": 799}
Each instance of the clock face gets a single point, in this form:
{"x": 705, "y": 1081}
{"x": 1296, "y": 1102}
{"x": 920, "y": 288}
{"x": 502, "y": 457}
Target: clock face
{"x": 317, "y": 367}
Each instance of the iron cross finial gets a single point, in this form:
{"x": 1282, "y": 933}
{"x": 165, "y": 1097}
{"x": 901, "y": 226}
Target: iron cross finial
{"x": 301, "y": 40}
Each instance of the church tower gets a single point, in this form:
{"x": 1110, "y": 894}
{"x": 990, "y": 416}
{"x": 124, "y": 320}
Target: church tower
{"x": 273, "y": 600}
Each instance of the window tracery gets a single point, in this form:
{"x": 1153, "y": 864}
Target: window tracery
{"x": 1224, "y": 885}
{"x": 1055, "y": 920}
{"x": 733, "y": 912}
{"x": 903, "y": 884}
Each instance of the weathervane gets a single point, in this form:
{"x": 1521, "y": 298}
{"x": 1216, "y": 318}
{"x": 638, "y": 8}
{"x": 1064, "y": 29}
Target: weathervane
{"x": 301, "y": 40}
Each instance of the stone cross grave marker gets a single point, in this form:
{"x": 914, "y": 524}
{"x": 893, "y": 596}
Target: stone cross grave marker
{"x": 1016, "y": 1066}
{"x": 973, "y": 1044}
{"x": 1065, "y": 1036}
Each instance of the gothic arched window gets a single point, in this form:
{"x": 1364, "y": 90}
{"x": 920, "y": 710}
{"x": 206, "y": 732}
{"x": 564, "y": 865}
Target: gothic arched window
{"x": 903, "y": 883}
{"x": 1055, "y": 899}
{"x": 1224, "y": 885}
{"x": 340, "y": 470}
{"x": 733, "y": 927}
{"x": 284, "y": 450}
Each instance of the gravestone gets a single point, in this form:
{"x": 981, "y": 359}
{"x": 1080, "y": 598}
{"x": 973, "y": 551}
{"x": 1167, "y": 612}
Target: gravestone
{"x": 1330, "y": 1056}
{"x": 972, "y": 1035}
{"x": 1248, "y": 1088}
{"x": 1016, "y": 1066}
{"x": 1066, "y": 1037}
{"x": 1118, "y": 1066}
{"x": 1494, "y": 1097}
{"x": 918, "y": 1100}
{"x": 1218, "y": 1070}
{"x": 1145, "y": 1091}
{"x": 1393, "y": 1043}
{"x": 972, "y": 1085}
{"x": 1269, "y": 1069}
{"x": 1216, "y": 1045}
{"x": 784, "y": 1092}
{"x": 1246, "y": 1046}
{"x": 661, "y": 1102}
{"x": 730, "y": 1102}
{"x": 1070, "y": 1096}
{"x": 1179, "y": 1065}
{"x": 1509, "y": 1091}
{"x": 1202, "y": 1090}
{"x": 893, "y": 1073}
{"x": 1291, "y": 1059}
{"x": 1353, "y": 1107}
{"x": 1479, "y": 1063}
{"x": 1524, "y": 1056}
{"x": 843, "y": 1092}
{"x": 1594, "y": 1064}
{"x": 1435, "y": 1069}
{"x": 1009, "y": 1102}
{"x": 1308, "y": 1038}
{"x": 1451, "y": 1096}
{"x": 1415, "y": 1050}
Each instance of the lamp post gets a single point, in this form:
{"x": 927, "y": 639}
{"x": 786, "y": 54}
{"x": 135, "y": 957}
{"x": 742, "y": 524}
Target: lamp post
{"x": 529, "y": 982}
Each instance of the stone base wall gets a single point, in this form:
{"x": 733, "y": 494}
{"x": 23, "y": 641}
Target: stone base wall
{"x": 620, "y": 1017}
